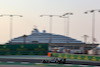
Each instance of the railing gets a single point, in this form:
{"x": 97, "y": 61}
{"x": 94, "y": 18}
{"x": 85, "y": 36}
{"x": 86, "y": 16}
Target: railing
{"x": 76, "y": 56}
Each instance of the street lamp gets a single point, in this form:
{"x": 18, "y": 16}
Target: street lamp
{"x": 50, "y": 23}
{"x": 11, "y": 23}
{"x": 93, "y": 22}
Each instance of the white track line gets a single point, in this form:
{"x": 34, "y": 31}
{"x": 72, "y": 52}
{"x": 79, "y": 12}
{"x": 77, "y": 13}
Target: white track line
{"x": 84, "y": 65}
{"x": 24, "y": 62}
{"x": 53, "y": 64}
{"x": 10, "y": 62}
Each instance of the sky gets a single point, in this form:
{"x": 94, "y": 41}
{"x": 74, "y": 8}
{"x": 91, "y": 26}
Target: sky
{"x": 80, "y": 23}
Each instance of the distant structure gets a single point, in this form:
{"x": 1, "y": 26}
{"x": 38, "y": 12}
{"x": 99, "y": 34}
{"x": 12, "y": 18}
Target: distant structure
{"x": 37, "y": 37}
{"x": 43, "y": 37}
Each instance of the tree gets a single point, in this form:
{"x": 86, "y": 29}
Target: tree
{"x": 24, "y": 39}
{"x": 85, "y": 38}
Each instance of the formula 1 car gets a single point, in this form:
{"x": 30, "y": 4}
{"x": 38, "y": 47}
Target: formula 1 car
{"x": 55, "y": 60}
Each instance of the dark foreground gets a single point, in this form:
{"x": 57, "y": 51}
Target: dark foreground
{"x": 39, "y": 61}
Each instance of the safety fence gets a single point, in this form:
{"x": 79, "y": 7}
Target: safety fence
{"x": 24, "y": 49}
{"x": 75, "y": 56}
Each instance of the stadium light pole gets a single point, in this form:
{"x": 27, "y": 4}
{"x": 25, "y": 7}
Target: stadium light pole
{"x": 11, "y": 23}
{"x": 93, "y": 22}
{"x": 68, "y": 21}
{"x": 65, "y": 31}
{"x": 64, "y": 24}
{"x": 50, "y": 25}
{"x": 67, "y": 15}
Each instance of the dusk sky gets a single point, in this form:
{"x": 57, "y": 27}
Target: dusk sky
{"x": 80, "y": 23}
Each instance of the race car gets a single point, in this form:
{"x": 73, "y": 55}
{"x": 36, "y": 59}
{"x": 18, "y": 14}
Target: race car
{"x": 55, "y": 60}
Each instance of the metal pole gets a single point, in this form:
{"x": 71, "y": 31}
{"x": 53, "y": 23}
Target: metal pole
{"x": 11, "y": 24}
{"x": 68, "y": 20}
{"x": 93, "y": 23}
{"x": 11, "y": 27}
{"x": 93, "y": 27}
{"x": 68, "y": 26}
{"x": 50, "y": 27}
{"x": 65, "y": 27}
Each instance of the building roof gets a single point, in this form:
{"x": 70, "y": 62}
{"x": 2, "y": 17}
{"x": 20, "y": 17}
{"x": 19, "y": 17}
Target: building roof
{"x": 43, "y": 37}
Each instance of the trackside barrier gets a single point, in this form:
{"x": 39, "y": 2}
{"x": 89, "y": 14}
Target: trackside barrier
{"x": 76, "y": 56}
{"x": 24, "y": 49}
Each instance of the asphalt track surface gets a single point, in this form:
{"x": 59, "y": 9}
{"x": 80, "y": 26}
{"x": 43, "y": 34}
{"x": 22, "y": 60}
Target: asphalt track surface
{"x": 39, "y": 61}
{"x": 20, "y": 60}
{"x": 19, "y": 66}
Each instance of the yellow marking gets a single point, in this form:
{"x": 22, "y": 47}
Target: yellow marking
{"x": 66, "y": 56}
{"x": 79, "y": 57}
{"x": 94, "y": 59}
{"x": 72, "y": 57}
{"x": 59, "y": 55}
{"x": 86, "y": 58}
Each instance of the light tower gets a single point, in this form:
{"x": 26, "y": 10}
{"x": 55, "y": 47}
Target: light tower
{"x": 68, "y": 21}
{"x": 11, "y": 23}
{"x": 50, "y": 25}
{"x": 93, "y": 22}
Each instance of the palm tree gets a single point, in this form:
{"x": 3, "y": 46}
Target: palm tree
{"x": 24, "y": 39}
{"x": 85, "y": 38}
{"x": 85, "y": 41}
